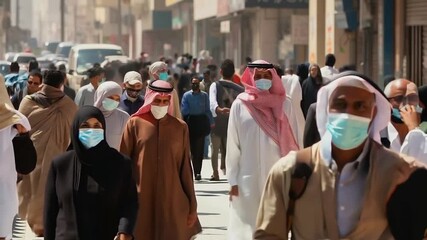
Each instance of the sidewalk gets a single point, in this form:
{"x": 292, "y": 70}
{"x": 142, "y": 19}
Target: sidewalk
{"x": 212, "y": 200}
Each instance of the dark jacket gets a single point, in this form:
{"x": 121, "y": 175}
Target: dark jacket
{"x": 90, "y": 193}
{"x": 311, "y": 133}
{"x": 63, "y": 218}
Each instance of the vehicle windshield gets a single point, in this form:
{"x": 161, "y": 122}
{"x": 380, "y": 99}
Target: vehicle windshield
{"x": 51, "y": 46}
{"x": 86, "y": 58}
{"x": 25, "y": 59}
{"x": 64, "y": 51}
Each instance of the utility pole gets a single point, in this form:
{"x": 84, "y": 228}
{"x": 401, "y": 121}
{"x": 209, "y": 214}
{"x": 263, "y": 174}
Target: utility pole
{"x": 119, "y": 29}
{"x": 62, "y": 6}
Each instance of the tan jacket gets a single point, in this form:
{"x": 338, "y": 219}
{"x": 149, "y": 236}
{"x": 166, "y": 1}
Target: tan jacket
{"x": 315, "y": 212}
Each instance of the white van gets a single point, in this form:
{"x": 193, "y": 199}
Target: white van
{"x": 83, "y": 56}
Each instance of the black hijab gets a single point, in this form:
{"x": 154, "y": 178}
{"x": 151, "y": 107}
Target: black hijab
{"x": 422, "y": 94}
{"x": 87, "y": 156}
{"x": 94, "y": 181}
{"x": 100, "y": 160}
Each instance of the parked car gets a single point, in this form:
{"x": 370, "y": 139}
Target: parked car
{"x": 83, "y": 56}
{"x": 51, "y": 46}
{"x": 24, "y": 58}
{"x": 64, "y": 49}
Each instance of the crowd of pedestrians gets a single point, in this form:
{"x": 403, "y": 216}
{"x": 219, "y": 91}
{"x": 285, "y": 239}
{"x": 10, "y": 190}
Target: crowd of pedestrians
{"x": 323, "y": 153}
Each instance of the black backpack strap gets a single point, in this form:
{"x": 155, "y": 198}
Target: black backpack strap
{"x": 299, "y": 179}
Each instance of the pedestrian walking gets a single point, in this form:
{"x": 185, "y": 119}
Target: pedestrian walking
{"x": 259, "y": 133}
{"x": 107, "y": 98}
{"x": 158, "y": 145}
{"x": 12, "y": 123}
{"x": 347, "y": 186}
{"x": 131, "y": 100}
{"x": 221, "y": 96}
{"x": 196, "y": 112}
{"x": 50, "y": 114}
{"x": 158, "y": 71}
{"x": 310, "y": 87}
{"x": 90, "y": 191}
{"x": 85, "y": 95}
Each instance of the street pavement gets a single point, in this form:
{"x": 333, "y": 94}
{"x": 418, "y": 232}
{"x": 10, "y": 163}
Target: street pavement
{"x": 212, "y": 200}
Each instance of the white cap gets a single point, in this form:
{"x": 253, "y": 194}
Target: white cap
{"x": 132, "y": 78}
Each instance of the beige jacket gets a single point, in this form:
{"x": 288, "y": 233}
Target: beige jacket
{"x": 315, "y": 212}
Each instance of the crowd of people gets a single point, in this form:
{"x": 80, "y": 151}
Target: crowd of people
{"x": 323, "y": 153}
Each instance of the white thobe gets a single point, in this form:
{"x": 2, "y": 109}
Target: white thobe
{"x": 250, "y": 155}
{"x": 328, "y": 73}
{"x": 414, "y": 145}
{"x": 8, "y": 176}
{"x": 294, "y": 92}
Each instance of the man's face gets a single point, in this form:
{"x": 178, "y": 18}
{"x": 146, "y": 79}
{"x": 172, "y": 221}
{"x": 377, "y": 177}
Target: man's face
{"x": 161, "y": 101}
{"x": 195, "y": 84}
{"x": 134, "y": 90}
{"x": 352, "y": 100}
{"x": 262, "y": 74}
{"x": 207, "y": 77}
{"x": 33, "y": 84}
{"x": 403, "y": 92}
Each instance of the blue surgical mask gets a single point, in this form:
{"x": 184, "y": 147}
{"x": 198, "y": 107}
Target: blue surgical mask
{"x": 90, "y": 137}
{"x": 109, "y": 104}
{"x": 263, "y": 84}
{"x": 396, "y": 112}
{"x": 348, "y": 131}
{"x": 163, "y": 76}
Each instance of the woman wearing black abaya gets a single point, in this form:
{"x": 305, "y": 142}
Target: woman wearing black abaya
{"x": 310, "y": 87}
{"x": 90, "y": 192}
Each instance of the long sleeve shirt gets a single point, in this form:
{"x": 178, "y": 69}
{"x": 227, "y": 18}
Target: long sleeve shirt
{"x": 194, "y": 103}
{"x": 414, "y": 145}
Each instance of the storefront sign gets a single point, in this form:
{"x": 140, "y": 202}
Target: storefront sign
{"x": 225, "y": 26}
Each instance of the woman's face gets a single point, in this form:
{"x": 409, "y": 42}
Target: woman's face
{"x": 91, "y": 123}
{"x": 314, "y": 71}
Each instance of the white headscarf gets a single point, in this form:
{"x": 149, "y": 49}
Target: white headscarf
{"x": 381, "y": 119}
{"x": 105, "y": 90}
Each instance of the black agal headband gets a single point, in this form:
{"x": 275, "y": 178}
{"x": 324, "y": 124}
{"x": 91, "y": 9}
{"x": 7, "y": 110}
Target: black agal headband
{"x": 260, "y": 65}
{"x": 159, "y": 89}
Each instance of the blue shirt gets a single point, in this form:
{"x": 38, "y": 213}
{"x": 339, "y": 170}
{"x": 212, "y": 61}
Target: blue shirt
{"x": 129, "y": 106}
{"x": 196, "y": 104}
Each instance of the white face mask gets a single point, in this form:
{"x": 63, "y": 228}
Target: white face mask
{"x": 159, "y": 111}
